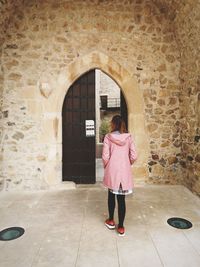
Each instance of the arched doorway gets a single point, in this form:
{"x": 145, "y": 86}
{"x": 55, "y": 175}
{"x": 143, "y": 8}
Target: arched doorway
{"x": 134, "y": 101}
{"x": 84, "y": 113}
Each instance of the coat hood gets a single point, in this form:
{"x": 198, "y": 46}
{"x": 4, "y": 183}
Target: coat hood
{"x": 119, "y": 139}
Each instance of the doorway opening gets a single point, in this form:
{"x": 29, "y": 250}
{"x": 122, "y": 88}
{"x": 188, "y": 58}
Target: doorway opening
{"x": 110, "y": 101}
{"x": 88, "y": 107}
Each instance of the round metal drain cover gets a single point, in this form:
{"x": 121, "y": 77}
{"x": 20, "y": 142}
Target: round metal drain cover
{"x": 179, "y": 223}
{"x": 11, "y": 233}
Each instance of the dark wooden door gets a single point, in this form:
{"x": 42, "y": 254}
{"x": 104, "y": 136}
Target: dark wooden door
{"x": 123, "y": 109}
{"x": 79, "y": 145}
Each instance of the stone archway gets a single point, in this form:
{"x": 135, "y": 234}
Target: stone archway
{"x": 132, "y": 94}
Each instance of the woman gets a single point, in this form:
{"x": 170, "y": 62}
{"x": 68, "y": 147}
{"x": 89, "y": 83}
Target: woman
{"x": 118, "y": 155}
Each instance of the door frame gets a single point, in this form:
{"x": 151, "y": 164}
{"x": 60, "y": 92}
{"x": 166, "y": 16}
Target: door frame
{"x": 134, "y": 101}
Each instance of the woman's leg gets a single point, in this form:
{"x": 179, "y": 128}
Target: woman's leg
{"x": 121, "y": 209}
{"x": 111, "y": 204}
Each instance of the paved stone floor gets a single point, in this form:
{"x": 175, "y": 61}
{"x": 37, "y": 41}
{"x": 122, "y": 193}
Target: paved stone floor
{"x": 65, "y": 228}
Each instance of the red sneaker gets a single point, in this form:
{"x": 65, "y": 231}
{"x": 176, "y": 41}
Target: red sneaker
{"x": 110, "y": 224}
{"x": 121, "y": 231}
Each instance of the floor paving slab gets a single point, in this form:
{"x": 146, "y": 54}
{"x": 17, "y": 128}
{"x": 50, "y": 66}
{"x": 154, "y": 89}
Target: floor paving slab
{"x": 65, "y": 228}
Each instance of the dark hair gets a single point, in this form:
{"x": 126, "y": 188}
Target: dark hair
{"x": 118, "y": 124}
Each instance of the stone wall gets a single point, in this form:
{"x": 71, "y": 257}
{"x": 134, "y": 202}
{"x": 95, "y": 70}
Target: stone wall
{"x": 105, "y": 86}
{"x": 108, "y": 86}
{"x": 43, "y": 38}
{"x": 4, "y": 15}
{"x": 187, "y": 34}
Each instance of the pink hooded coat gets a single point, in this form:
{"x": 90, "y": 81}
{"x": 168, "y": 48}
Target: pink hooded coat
{"x": 118, "y": 155}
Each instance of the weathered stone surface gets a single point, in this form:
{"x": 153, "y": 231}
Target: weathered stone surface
{"x": 12, "y": 63}
{"x": 197, "y": 158}
{"x": 41, "y": 158}
{"x": 45, "y": 89}
{"x": 161, "y": 68}
{"x": 161, "y": 102}
{"x": 165, "y": 144}
{"x": 11, "y": 46}
{"x": 172, "y": 160}
{"x": 183, "y": 164}
{"x": 172, "y": 101}
{"x": 190, "y": 158}
{"x": 11, "y": 123}
{"x": 189, "y": 74}
{"x": 5, "y": 114}
{"x": 152, "y": 127}
{"x": 177, "y": 143}
{"x": 18, "y": 136}
{"x": 15, "y": 76}
{"x": 170, "y": 58}
{"x": 151, "y": 163}
{"x": 1, "y": 183}
{"x": 162, "y": 162}
{"x": 155, "y": 157}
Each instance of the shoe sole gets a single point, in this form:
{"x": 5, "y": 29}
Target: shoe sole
{"x": 111, "y": 227}
{"x": 121, "y": 234}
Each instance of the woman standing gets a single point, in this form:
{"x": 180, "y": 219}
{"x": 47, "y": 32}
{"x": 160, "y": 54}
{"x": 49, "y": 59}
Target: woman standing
{"x": 118, "y": 155}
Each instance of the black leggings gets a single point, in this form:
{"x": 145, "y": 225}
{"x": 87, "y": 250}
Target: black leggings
{"x": 121, "y": 207}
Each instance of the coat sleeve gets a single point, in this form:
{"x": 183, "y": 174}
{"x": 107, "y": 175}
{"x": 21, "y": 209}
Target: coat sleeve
{"x": 106, "y": 151}
{"x": 132, "y": 151}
